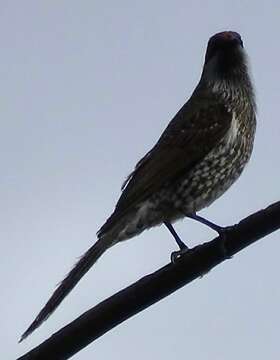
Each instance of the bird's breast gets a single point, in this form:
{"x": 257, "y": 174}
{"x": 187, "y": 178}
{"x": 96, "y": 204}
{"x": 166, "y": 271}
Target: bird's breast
{"x": 218, "y": 170}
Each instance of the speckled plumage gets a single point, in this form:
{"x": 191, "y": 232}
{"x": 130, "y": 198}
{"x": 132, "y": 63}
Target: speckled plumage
{"x": 199, "y": 186}
{"x": 199, "y": 156}
{"x": 228, "y": 108}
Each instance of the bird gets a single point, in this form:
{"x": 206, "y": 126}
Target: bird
{"x": 199, "y": 155}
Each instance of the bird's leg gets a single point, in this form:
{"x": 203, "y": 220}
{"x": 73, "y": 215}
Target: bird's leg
{"x": 179, "y": 242}
{"x": 219, "y": 229}
{"x": 183, "y": 247}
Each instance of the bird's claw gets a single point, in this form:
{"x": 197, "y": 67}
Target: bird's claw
{"x": 222, "y": 230}
{"x": 223, "y": 236}
{"x": 176, "y": 255}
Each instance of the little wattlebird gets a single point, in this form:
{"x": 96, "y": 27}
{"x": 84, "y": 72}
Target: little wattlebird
{"x": 198, "y": 157}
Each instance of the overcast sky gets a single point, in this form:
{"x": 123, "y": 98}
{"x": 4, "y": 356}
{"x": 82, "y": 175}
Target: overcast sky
{"x": 86, "y": 89}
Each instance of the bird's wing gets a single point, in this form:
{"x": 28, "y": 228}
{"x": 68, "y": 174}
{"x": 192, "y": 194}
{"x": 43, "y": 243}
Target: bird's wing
{"x": 189, "y": 137}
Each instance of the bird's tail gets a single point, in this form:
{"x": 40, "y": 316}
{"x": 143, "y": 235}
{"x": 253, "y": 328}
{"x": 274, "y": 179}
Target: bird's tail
{"x": 74, "y": 276}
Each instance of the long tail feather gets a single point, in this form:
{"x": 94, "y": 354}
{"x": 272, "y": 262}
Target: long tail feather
{"x": 70, "y": 281}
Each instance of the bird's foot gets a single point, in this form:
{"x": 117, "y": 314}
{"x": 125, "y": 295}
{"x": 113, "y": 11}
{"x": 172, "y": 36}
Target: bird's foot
{"x": 176, "y": 255}
{"x": 222, "y": 231}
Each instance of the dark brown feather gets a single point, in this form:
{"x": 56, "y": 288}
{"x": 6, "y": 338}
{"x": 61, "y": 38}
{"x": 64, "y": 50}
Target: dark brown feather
{"x": 189, "y": 137}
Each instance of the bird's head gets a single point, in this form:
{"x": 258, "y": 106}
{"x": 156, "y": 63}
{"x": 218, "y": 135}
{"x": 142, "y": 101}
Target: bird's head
{"x": 225, "y": 57}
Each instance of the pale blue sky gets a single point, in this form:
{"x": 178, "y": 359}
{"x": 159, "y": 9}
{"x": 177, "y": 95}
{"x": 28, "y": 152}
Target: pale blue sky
{"x": 86, "y": 89}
